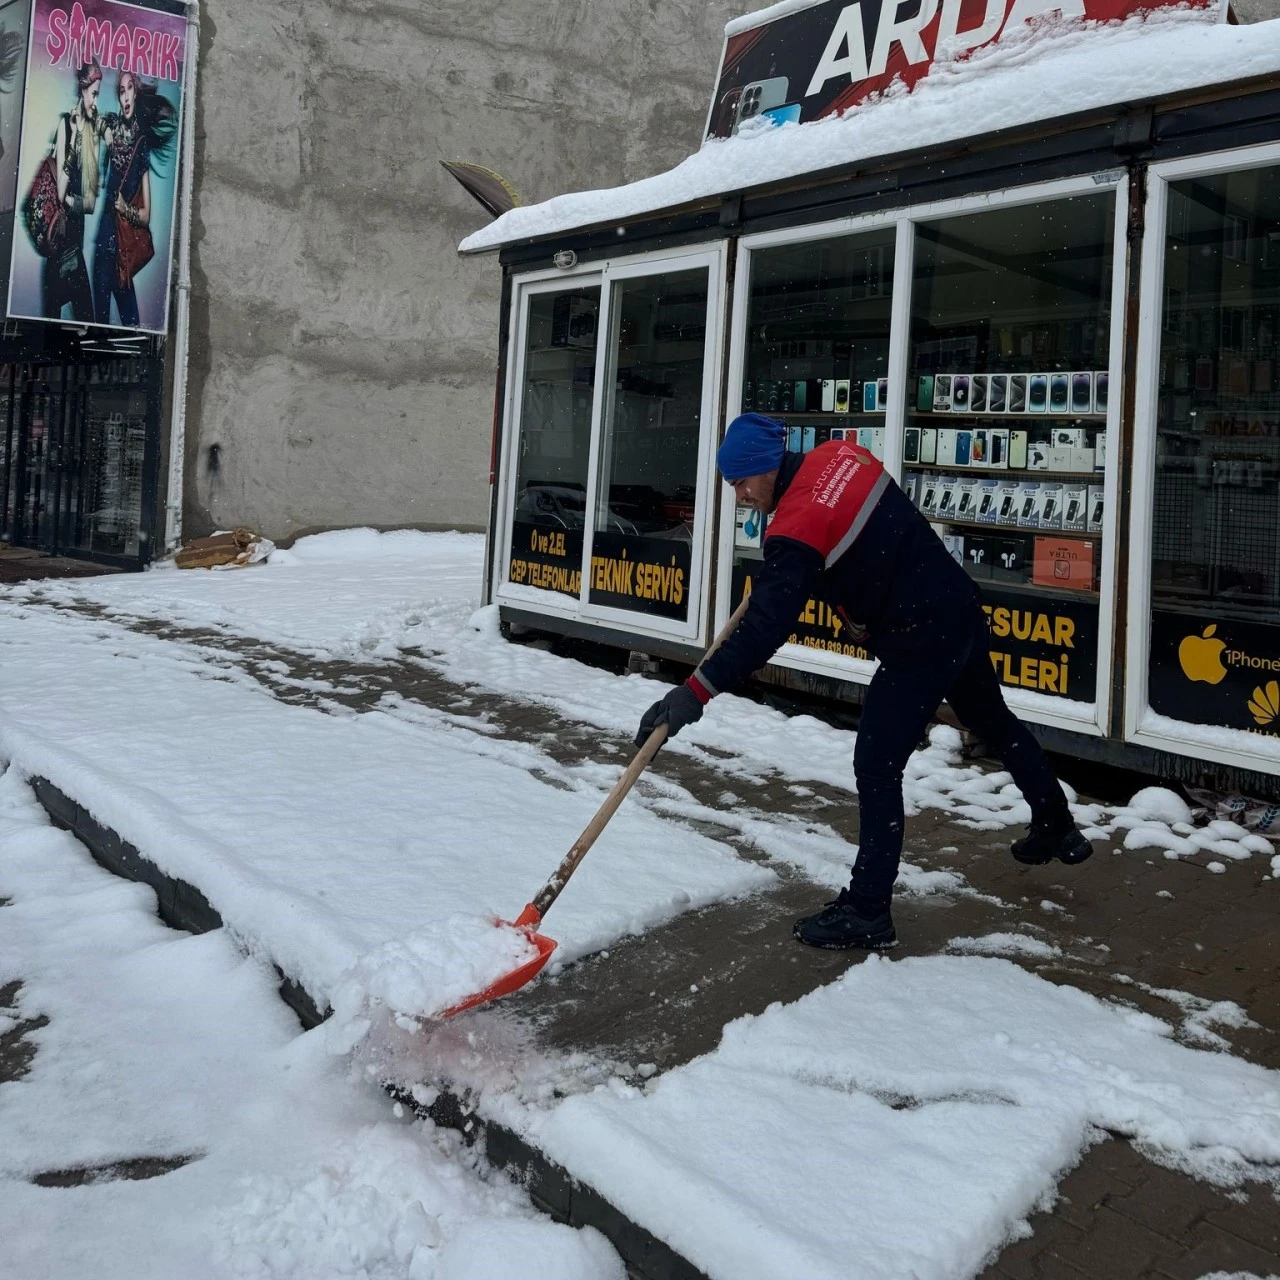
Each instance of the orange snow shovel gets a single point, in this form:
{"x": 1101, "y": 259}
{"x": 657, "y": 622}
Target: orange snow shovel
{"x": 531, "y": 917}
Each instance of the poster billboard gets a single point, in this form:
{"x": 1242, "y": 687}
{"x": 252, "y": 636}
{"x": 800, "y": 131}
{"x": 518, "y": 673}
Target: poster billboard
{"x": 98, "y": 172}
{"x": 15, "y": 22}
{"x": 829, "y": 56}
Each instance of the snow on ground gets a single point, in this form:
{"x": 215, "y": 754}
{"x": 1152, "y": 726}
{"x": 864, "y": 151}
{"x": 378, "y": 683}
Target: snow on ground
{"x": 362, "y": 596}
{"x": 319, "y": 837}
{"x": 1002, "y": 86}
{"x": 164, "y": 1045}
{"x": 963, "y": 1084}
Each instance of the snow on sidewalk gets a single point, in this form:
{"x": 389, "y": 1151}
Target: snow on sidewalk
{"x": 362, "y": 596}
{"x": 319, "y": 837}
{"x": 904, "y": 1120}
{"x": 168, "y": 1046}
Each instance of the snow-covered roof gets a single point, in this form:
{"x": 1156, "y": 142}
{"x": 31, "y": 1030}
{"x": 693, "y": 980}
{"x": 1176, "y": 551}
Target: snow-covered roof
{"x": 1037, "y": 74}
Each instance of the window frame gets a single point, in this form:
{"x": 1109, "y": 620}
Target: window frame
{"x": 1205, "y": 742}
{"x": 1094, "y": 718}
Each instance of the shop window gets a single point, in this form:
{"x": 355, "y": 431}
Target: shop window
{"x": 1005, "y": 437}
{"x": 817, "y": 357}
{"x": 643, "y": 528}
{"x": 1215, "y": 586}
{"x": 550, "y": 510}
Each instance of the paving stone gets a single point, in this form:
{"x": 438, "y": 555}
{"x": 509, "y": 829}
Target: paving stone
{"x": 1213, "y": 1249}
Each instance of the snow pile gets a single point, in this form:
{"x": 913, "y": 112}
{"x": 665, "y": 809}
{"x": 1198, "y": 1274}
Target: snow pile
{"x": 1001, "y": 86}
{"x": 431, "y": 970}
{"x": 167, "y": 1046}
{"x": 964, "y": 1084}
{"x": 1005, "y": 944}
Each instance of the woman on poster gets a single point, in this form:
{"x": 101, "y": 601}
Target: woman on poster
{"x": 75, "y": 156}
{"x": 138, "y": 139}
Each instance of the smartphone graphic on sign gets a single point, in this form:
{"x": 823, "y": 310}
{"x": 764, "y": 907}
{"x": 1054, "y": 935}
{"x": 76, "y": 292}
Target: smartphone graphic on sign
{"x": 759, "y": 97}
{"x": 1058, "y": 383}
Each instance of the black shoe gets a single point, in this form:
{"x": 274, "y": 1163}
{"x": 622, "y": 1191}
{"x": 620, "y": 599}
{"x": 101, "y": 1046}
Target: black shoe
{"x": 1044, "y": 844}
{"x": 840, "y": 926}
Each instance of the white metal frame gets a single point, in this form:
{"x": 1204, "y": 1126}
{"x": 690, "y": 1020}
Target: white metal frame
{"x": 1032, "y": 707}
{"x": 634, "y": 266}
{"x": 1201, "y": 741}
{"x": 525, "y": 287}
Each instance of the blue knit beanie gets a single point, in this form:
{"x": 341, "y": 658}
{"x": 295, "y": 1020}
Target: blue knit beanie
{"x": 753, "y": 445}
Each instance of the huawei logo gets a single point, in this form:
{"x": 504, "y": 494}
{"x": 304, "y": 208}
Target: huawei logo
{"x": 1264, "y": 706}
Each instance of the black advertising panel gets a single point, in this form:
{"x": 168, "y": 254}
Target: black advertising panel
{"x": 822, "y": 60}
{"x": 1045, "y": 643}
{"x": 644, "y": 575}
{"x": 817, "y": 627}
{"x": 1048, "y": 645}
{"x": 546, "y": 556}
{"x": 1215, "y": 671}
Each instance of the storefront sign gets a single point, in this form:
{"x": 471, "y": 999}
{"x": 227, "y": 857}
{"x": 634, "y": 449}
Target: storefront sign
{"x": 819, "y": 626}
{"x": 645, "y": 575}
{"x": 1216, "y": 671}
{"x": 1048, "y": 644}
{"x": 548, "y": 557}
{"x": 820, "y": 61}
{"x": 98, "y": 175}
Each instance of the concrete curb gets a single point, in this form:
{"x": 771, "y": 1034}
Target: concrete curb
{"x": 550, "y": 1186}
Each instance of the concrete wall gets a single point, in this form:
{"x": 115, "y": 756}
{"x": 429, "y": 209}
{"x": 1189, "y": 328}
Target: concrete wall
{"x": 343, "y": 356}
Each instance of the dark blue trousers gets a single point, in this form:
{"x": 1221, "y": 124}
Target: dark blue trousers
{"x": 901, "y": 700}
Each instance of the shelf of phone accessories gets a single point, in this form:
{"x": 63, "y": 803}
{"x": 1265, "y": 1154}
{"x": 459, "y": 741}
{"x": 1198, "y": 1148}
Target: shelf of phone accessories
{"x": 1035, "y": 415}
{"x": 990, "y": 526}
{"x": 827, "y": 415}
{"x": 1018, "y": 473}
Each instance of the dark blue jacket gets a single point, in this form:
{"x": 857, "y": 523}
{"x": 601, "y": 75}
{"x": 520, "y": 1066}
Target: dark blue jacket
{"x": 844, "y": 532}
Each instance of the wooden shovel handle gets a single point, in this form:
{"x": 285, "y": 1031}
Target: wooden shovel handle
{"x": 552, "y": 889}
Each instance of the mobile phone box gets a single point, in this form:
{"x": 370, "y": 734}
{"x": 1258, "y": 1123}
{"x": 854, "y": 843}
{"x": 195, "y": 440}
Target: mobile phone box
{"x": 1009, "y": 505}
{"x": 1095, "y": 508}
{"x": 1029, "y": 505}
{"x": 988, "y": 501}
{"x": 1049, "y": 507}
{"x": 928, "y": 445}
{"x": 946, "y": 447}
{"x": 1075, "y": 508}
{"x": 998, "y": 449}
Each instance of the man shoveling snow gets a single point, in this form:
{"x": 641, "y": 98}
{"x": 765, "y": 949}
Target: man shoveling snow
{"x": 841, "y": 529}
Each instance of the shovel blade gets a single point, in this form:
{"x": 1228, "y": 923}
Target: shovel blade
{"x": 527, "y": 921}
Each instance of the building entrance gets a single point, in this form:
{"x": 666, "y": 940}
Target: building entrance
{"x": 79, "y": 454}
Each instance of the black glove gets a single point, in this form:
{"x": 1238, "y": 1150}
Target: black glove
{"x": 679, "y": 708}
